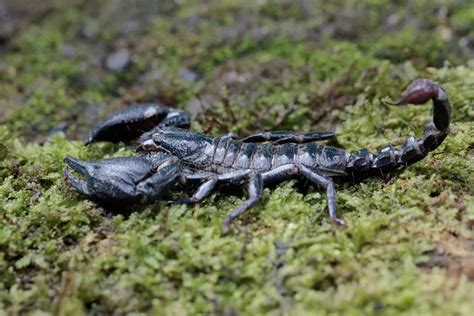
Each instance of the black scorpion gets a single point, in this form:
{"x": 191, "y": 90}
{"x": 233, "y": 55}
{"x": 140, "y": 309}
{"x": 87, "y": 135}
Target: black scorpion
{"x": 170, "y": 155}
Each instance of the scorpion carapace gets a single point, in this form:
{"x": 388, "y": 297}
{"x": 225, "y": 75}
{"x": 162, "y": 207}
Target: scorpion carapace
{"x": 171, "y": 155}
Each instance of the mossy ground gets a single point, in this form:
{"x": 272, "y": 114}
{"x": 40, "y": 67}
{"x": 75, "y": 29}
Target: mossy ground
{"x": 239, "y": 66}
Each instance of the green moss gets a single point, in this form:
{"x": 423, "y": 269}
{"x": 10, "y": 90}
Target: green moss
{"x": 424, "y": 48}
{"x": 256, "y": 65}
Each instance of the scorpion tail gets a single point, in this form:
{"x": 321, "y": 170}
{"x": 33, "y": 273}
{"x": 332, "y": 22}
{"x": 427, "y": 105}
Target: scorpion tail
{"x": 420, "y": 91}
{"x": 414, "y": 149}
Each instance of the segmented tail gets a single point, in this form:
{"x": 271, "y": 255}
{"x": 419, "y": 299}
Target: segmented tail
{"x": 414, "y": 149}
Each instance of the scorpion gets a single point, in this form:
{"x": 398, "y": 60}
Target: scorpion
{"x": 170, "y": 154}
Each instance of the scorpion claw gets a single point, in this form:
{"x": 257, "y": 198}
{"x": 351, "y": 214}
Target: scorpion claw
{"x": 124, "y": 179}
{"x": 76, "y": 183}
{"x": 81, "y": 167}
{"x": 133, "y": 121}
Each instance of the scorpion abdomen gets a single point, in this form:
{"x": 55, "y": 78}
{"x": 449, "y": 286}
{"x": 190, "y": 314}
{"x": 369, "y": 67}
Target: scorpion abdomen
{"x": 283, "y": 154}
{"x": 243, "y": 159}
{"x": 262, "y": 159}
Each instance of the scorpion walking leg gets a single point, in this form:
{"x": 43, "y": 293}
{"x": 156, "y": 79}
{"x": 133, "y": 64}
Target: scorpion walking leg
{"x": 283, "y": 137}
{"x": 211, "y": 181}
{"x": 328, "y": 184}
{"x": 278, "y": 174}
{"x": 282, "y": 172}
{"x": 201, "y": 193}
{"x": 255, "y": 189}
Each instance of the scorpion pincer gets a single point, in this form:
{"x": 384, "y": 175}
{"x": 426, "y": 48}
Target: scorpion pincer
{"x": 170, "y": 155}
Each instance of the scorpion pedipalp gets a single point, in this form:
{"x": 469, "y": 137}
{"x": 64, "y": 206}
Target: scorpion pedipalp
{"x": 121, "y": 180}
{"x": 137, "y": 119}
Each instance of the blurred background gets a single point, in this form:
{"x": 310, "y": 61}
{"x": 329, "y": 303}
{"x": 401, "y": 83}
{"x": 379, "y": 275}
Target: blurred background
{"x": 68, "y": 62}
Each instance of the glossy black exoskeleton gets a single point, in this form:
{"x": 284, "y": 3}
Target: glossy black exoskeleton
{"x": 171, "y": 155}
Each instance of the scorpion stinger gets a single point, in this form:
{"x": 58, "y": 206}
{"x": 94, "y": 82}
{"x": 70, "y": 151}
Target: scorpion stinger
{"x": 414, "y": 149}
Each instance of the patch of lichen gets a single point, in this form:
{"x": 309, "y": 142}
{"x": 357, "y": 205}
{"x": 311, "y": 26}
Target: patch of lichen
{"x": 239, "y": 67}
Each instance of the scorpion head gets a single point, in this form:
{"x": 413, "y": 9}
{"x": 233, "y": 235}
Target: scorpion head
{"x": 188, "y": 146}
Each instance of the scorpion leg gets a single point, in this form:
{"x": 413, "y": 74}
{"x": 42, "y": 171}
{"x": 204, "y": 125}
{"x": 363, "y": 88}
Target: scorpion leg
{"x": 201, "y": 193}
{"x": 328, "y": 184}
{"x": 283, "y": 137}
{"x": 208, "y": 186}
{"x": 282, "y": 172}
{"x": 133, "y": 121}
{"x": 255, "y": 190}
{"x": 278, "y": 174}
{"x": 230, "y": 135}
